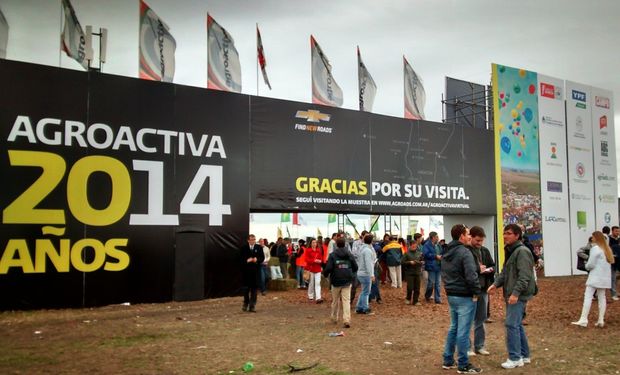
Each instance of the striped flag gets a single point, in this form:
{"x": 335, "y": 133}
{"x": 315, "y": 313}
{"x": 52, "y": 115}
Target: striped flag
{"x": 224, "y": 68}
{"x": 157, "y": 47}
{"x": 325, "y": 90}
{"x": 262, "y": 62}
{"x": 415, "y": 96}
{"x": 331, "y": 218}
{"x": 4, "y": 35}
{"x": 295, "y": 218}
{"x": 285, "y": 218}
{"x": 367, "y": 86}
{"x": 73, "y": 39}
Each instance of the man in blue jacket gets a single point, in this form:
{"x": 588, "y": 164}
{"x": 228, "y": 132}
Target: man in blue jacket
{"x": 432, "y": 255}
{"x": 460, "y": 280}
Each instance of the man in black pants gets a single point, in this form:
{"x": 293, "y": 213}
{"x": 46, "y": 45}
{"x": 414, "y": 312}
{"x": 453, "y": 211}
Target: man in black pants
{"x": 252, "y": 257}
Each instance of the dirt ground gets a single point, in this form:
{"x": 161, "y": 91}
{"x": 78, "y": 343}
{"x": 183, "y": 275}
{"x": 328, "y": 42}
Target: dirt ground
{"x": 216, "y": 337}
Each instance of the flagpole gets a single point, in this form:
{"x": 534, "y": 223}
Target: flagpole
{"x": 256, "y": 58}
{"x": 60, "y": 47}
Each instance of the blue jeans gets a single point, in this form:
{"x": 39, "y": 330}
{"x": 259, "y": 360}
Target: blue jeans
{"x": 516, "y": 340}
{"x": 479, "y": 318}
{"x": 433, "y": 282}
{"x": 299, "y": 273}
{"x": 462, "y": 311}
{"x": 374, "y": 287}
{"x": 362, "y": 301}
{"x": 264, "y": 275}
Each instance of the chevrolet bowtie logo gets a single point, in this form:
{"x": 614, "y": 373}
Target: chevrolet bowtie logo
{"x": 313, "y": 115}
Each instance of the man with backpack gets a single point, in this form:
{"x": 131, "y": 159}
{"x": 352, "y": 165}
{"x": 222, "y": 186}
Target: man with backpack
{"x": 339, "y": 269}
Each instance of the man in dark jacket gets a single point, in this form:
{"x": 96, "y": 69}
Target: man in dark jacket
{"x": 282, "y": 254}
{"x": 517, "y": 279}
{"x": 432, "y": 256}
{"x": 486, "y": 277}
{"x": 252, "y": 257}
{"x": 460, "y": 280}
{"x": 614, "y": 245}
{"x": 339, "y": 269}
{"x": 412, "y": 263}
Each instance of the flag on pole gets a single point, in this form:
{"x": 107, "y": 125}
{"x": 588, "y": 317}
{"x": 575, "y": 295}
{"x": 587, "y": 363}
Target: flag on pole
{"x": 285, "y": 218}
{"x": 325, "y": 90}
{"x": 295, "y": 219}
{"x": 157, "y": 47}
{"x": 73, "y": 39}
{"x": 415, "y": 96}
{"x": 318, "y": 233}
{"x": 288, "y": 234}
{"x": 4, "y": 35}
{"x": 367, "y": 86}
{"x": 224, "y": 68}
{"x": 279, "y": 233}
{"x": 331, "y": 218}
{"x": 261, "y": 57}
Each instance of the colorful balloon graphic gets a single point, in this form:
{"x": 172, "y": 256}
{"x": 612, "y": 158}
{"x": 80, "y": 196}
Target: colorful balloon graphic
{"x": 514, "y": 113}
{"x": 522, "y": 73}
{"x": 516, "y": 88}
{"x": 506, "y": 145}
{"x": 531, "y": 89}
{"x": 528, "y": 114}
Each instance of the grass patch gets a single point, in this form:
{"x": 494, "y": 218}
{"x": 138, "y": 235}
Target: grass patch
{"x": 23, "y": 360}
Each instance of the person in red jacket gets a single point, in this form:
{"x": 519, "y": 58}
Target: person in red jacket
{"x": 314, "y": 259}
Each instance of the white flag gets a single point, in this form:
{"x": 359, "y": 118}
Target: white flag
{"x": 415, "y": 97}
{"x": 325, "y": 90}
{"x": 72, "y": 39}
{"x": 367, "y": 86}
{"x": 4, "y": 35}
{"x": 157, "y": 47}
{"x": 224, "y": 72}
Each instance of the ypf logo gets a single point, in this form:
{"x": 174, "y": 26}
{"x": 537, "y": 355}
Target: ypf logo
{"x": 579, "y": 96}
{"x": 581, "y": 170}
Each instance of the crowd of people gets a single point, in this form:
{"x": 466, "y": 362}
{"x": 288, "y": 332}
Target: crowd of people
{"x": 464, "y": 266}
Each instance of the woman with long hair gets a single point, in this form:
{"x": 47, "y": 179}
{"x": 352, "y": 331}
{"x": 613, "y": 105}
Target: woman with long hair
{"x": 599, "y": 266}
{"x": 314, "y": 259}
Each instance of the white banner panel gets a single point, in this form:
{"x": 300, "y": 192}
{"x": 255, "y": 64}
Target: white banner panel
{"x": 604, "y": 146}
{"x": 580, "y": 166}
{"x": 553, "y": 176}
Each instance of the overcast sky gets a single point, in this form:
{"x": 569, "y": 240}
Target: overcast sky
{"x": 569, "y": 39}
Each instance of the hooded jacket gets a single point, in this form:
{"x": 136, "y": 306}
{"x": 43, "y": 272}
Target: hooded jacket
{"x": 393, "y": 253}
{"x": 458, "y": 271}
{"x": 340, "y": 267}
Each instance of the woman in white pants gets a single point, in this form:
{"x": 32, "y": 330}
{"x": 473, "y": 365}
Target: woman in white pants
{"x": 599, "y": 267}
{"x": 314, "y": 259}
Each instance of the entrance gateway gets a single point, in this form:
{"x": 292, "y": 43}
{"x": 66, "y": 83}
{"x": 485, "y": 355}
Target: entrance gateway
{"x": 168, "y": 174}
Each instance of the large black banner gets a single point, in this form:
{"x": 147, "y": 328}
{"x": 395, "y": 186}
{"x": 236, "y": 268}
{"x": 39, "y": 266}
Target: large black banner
{"x": 103, "y": 178}
{"x": 313, "y": 158}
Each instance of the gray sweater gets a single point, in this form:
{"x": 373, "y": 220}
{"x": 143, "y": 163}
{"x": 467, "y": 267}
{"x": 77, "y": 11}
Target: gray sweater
{"x": 366, "y": 261}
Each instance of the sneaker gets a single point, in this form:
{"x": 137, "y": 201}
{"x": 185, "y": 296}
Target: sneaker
{"x": 489, "y": 320}
{"x": 319, "y": 301}
{"x": 580, "y": 323}
{"x": 512, "y": 364}
{"x": 252, "y": 309}
{"x": 379, "y": 301}
{"x": 244, "y": 308}
{"x": 471, "y": 353}
{"x": 526, "y": 360}
{"x": 483, "y": 351}
{"x": 417, "y": 304}
{"x": 448, "y": 367}
{"x": 615, "y": 298}
{"x": 407, "y": 302}
{"x": 469, "y": 369}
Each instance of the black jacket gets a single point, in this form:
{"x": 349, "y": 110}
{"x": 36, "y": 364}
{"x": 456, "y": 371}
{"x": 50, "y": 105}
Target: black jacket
{"x": 340, "y": 267}
{"x": 458, "y": 271}
{"x": 251, "y": 271}
{"x": 483, "y": 256}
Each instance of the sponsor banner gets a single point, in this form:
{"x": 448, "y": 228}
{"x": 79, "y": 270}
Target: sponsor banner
{"x": 157, "y": 47}
{"x": 581, "y": 172}
{"x": 415, "y": 95}
{"x": 109, "y": 179}
{"x": 515, "y": 93}
{"x": 349, "y": 161}
{"x": 367, "y": 86}
{"x": 553, "y": 178}
{"x": 325, "y": 89}
{"x": 73, "y": 39}
{"x": 224, "y": 67}
{"x": 604, "y": 151}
